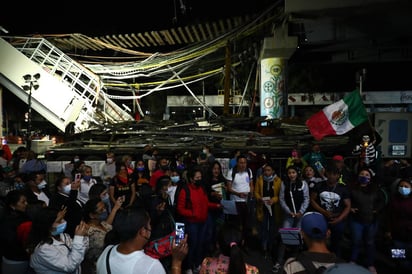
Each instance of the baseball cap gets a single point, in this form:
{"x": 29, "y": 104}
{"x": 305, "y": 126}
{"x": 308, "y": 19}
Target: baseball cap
{"x": 314, "y": 225}
{"x": 337, "y": 158}
{"x": 344, "y": 268}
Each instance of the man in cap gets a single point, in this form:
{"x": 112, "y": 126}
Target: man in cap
{"x": 346, "y": 175}
{"x": 315, "y": 233}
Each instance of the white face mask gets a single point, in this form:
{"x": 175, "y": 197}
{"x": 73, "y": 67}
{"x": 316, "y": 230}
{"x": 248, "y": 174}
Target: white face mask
{"x": 66, "y": 189}
{"x": 42, "y": 184}
{"x": 109, "y": 160}
{"x": 170, "y": 190}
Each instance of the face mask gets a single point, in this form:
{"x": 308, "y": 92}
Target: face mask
{"x": 175, "y": 179}
{"x": 170, "y": 190}
{"x": 109, "y": 160}
{"x": 76, "y": 160}
{"x": 19, "y": 186}
{"x": 59, "y": 229}
{"x": 180, "y": 167}
{"x": 103, "y": 216}
{"x": 105, "y": 198}
{"x": 67, "y": 188}
{"x": 42, "y": 185}
{"x": 87, "y": 178}
{"x": 164, "y": 167}
{"x": 204, "y": 151}
{"x": 140, "y": 168}
{"x": 363, "y": 180}
{"x": 268, "y": 178}
{"x": 405, "y": 191}
{"x": 198, "y": 182}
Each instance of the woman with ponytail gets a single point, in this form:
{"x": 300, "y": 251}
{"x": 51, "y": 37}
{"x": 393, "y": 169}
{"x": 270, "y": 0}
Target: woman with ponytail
{"x": 230, "y": 259}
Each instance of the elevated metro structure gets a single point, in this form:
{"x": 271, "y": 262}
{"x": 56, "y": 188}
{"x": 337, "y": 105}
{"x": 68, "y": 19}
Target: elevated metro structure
{"x": 69, "y": 94}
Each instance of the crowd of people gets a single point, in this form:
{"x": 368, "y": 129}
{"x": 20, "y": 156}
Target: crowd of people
{"x": 101, "y": 224}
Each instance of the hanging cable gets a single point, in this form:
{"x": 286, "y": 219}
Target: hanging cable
{"x": 194, "y": 96}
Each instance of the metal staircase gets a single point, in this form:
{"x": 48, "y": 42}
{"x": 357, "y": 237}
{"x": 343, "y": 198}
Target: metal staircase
{"x": 68, "y": 95}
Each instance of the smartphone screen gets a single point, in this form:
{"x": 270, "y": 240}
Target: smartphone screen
{"x": 398, "y": 253}
{"x": 77, "y": 176}
{"x": 180, "y": 232}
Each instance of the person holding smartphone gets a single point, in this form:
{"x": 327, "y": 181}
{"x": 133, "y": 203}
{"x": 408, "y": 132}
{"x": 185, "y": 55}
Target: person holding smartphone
{"x": 133, "y": 230}
{"x": 399, "y": 221}
{"x": 65, "y": 195}
{"x": 194, "y": 214}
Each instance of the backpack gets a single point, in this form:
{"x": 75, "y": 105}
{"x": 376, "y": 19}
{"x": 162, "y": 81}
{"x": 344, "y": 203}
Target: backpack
{"x": 188, "y": 203}
{"x": 234, "y": 171}
{"x": 309, "y": 266}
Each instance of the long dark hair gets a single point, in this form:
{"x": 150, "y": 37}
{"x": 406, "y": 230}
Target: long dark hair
{"x": 230, "y": 241}
{"x": 90, "y": 208}
{"x": 209, "y": 175}
{"x": 95, "y": 191}
{"x": 40, "y": 232}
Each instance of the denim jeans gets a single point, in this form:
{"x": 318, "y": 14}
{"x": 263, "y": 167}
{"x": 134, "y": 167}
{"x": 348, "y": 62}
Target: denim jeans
{"x": 196, "y": 240}
{"x": 363, "y": 235}
{"x": 288, "y": 222}
{"x": 267, "y": 231}
{"x": 336, "y": 236}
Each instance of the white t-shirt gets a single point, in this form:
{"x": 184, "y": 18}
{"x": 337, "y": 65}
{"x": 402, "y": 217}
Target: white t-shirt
{"x": 134, "y": 263}
{"x": 85, "y": 186}
{"x": 241, "y": 183}
{"x": 107, "y": 170}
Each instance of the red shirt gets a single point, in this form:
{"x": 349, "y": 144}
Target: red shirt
{"x": 198, "y": 209}
{"x": 156, "y": 175}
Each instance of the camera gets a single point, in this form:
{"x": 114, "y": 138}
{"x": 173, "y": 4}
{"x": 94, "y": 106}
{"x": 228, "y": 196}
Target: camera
{"x": 398, "y": 253}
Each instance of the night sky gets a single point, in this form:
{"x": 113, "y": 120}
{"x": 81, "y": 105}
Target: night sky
{"x": 117, "y": 16}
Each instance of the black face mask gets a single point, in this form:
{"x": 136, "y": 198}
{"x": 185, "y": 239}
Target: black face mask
{"x": 198, "y": 182}
{"x": 164, "y": 167}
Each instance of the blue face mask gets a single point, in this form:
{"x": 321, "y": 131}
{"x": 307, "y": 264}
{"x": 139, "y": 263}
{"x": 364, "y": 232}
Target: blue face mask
{"x": 87, "y": 178}
{"x": 405, "y": 191}
{"x": 363, "y": 180}
{"x": 268, "y": 178}
{"x": 103, "y": 216}
{"x": 175, "y": 179}
{"x": 140, "y": 169}
{"x": 60, "y": 228}
{"x": 105, "y": 198}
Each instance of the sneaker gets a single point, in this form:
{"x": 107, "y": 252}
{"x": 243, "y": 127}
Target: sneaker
{"x": 277, "y": 268}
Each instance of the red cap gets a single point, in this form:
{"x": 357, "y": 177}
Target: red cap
{"x": 337, "y": 158}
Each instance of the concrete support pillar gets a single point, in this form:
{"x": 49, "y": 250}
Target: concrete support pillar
{"x": 273, "y": 62}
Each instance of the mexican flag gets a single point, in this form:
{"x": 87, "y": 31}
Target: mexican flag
{"x": 338, "y": 118}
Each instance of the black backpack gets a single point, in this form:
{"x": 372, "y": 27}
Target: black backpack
{"x": 234, "y": 171}
{"x": 309, "y": 266}
{"x": 181, "y": 185}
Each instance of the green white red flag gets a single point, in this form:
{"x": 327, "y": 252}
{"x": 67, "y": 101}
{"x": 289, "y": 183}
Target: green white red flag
{"x": 338, "y": 118}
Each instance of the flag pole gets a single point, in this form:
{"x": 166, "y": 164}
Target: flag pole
{"x": 361, "y": 79}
